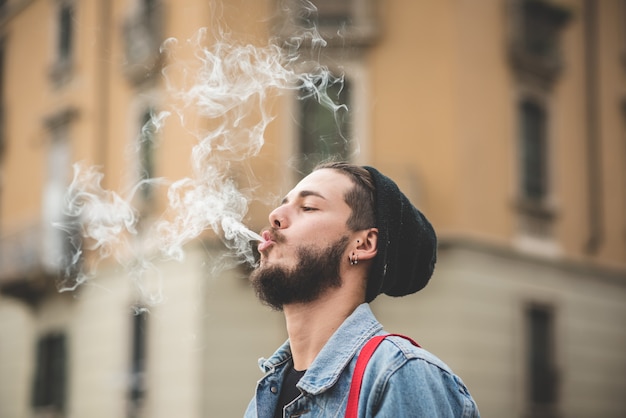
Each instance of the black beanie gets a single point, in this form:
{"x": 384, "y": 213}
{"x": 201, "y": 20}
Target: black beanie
{"x": 407, "y": 244}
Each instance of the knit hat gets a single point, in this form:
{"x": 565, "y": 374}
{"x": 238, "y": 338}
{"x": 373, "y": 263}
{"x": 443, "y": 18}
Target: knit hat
{"x": 407, "y": 244}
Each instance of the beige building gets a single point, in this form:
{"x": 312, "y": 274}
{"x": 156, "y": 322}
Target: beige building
{"x": 503, "y": 120}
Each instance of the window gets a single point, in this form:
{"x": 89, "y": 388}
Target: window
{"x": 535, "y": 204}
{"x": 2, "y": 107}
{"x": 64, "y": 47}
{"x": 541, "y": 368}
{"x": 65, "y": 32}
{"x": 535, "y": 53}
{"x": 146, "y": 154}
{"x": 623, "y": 29}
{"x": 50, "y": 375}
{"x": 59, "y": 245}
{"x": 333, "y": 12}
{"x": 137, "y": 387}
{"x": 535, "y": 49}
{"x": 55, "y": 185}
{"x": 541, "y": 23}
{"x": 324, "y": 132}
{"x": 142, "y": 32}
{"x": 533, "y": 151}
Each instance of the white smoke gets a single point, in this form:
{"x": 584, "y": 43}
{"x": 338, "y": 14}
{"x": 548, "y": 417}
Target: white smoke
{"x": 228, "y": 84}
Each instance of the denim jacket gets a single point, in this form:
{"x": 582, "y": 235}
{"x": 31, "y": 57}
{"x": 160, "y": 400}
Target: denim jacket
{"x": 400, "y": 380}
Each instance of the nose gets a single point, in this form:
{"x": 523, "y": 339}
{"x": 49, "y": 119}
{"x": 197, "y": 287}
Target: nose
{"x": 278, "y": 218}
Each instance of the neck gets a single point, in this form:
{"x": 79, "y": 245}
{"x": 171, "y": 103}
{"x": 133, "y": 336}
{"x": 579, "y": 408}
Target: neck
{"x": 310, "y": 325}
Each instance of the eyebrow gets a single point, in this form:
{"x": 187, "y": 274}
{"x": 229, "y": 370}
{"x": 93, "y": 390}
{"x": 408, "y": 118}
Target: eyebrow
{"x": 302, "y": 194}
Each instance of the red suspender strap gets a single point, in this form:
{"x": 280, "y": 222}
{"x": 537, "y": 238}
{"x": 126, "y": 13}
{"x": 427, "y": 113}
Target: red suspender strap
{"x": 359, "y": 369}
{"x": 355, "y": 387}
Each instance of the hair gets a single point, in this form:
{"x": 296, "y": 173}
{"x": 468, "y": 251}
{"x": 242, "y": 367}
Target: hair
{"x": 360, "y": 198}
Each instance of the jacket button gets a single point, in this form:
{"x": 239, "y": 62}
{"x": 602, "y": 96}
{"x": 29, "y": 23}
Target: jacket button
{"x": 273, "y": 389}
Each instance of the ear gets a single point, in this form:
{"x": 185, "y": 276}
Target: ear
{"x": 367, "y": 244}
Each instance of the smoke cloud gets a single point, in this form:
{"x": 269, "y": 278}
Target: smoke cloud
{"x": 228, "y": 84}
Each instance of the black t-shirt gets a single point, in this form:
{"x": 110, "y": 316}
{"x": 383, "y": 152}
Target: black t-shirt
{"x": 288, "y": 391}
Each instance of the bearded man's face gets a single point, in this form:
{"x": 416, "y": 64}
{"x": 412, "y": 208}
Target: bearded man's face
{"x": 316, "y": 271}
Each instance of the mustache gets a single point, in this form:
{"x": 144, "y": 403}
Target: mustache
{"x": 275, "y": 234}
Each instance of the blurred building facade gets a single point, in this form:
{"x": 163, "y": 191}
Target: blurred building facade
{"x": 503, "y": 120}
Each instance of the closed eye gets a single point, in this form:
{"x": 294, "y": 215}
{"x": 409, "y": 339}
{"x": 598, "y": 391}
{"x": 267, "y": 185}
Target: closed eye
{"x": 308, "y": 209}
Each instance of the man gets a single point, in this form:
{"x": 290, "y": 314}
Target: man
{"x": 341, "y": 237}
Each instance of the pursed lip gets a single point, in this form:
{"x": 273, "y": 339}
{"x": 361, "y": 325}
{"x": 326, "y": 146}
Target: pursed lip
{"x": 267, "y": 242}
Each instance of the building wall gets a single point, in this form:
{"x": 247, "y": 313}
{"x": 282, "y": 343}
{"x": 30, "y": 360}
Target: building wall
{"x": 435, "y": 99}
{"x": 472, "y": 316}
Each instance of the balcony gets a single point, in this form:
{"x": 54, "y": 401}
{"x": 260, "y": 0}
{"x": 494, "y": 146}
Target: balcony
{"x": 340, "y": 23}
{"x": 31, "y": 260}
{"x": 535, "y": 50}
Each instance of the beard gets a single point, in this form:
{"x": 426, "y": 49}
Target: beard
{"x": 316, "y": 272}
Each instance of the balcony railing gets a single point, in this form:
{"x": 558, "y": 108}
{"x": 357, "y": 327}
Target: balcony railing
{"x": 354, "y": 23}
{"x": 31, "y": 260}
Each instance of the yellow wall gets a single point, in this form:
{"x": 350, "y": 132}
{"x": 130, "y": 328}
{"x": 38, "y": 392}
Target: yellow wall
{"x": 440, "y": 118}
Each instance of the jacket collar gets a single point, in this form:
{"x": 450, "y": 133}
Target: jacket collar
{"x": 336, "y": 354}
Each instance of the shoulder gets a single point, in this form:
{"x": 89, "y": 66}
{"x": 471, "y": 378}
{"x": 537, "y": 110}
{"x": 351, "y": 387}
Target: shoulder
{"x": 400, "y": 374}
{"x": 397, "y": 348}
{"x": 399, "y": 351}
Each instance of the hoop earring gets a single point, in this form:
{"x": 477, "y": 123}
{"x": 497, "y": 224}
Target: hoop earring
{"x": 354, "y": 259}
